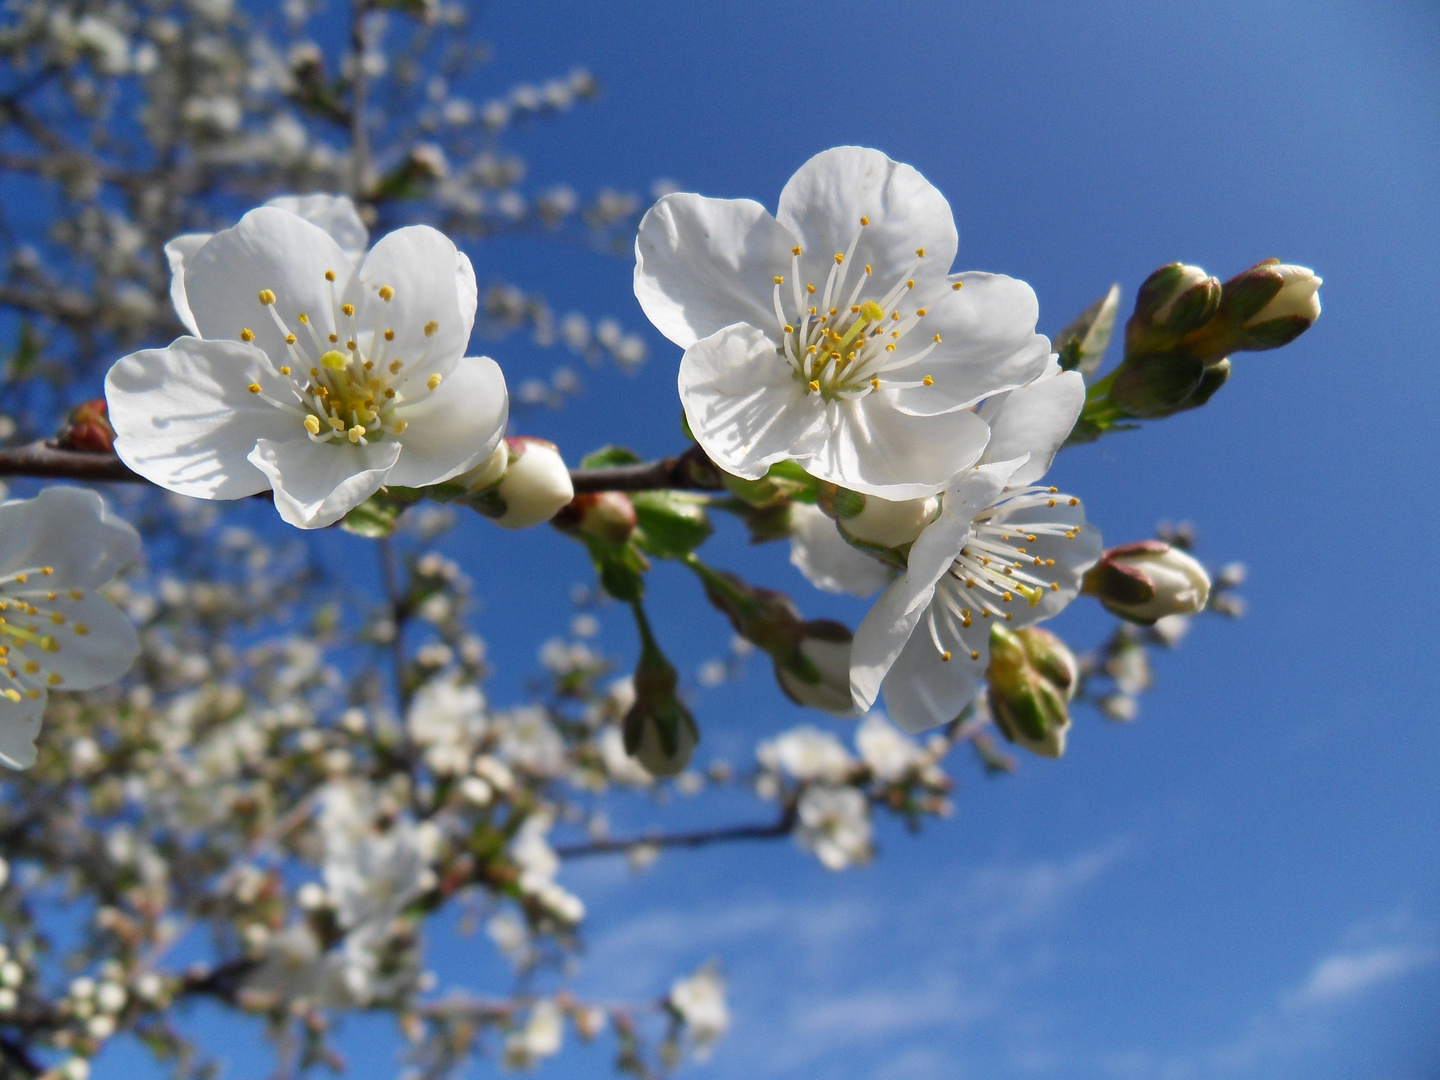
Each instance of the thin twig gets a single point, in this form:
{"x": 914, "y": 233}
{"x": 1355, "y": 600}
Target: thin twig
{"x": 782, "y": 826}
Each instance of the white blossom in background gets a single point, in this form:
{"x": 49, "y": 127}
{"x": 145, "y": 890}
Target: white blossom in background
{"x": 699, "y": 1000}
{"x": 447, "y": 721}
{"x": 539, "y": 864}
{"x": 807, "y": 754}
{"x": 834, "y": 823}
{"x": 370, "y": 876}
{"x": 833, "y": 333}
{"x": 1002, "y": 548}
{"x": 56, "y": 630}
{"x": 889, "y": 752}
{"x": 828, "y": 562}
{"x": 313, "y": 378}
{"x": 540, "y": 1038}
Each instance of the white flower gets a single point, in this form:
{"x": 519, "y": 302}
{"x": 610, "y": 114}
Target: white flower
{"x": 312, "y": 378}
{"x": 806, "y": 753}
{"x": 833, "y": 333}
{"x": 370, "y": 876}
{"x": 526, "y": 487}
{"x": 835, "y": 825}
{"x": 889, "y": 753}
{"x": 541, "y": 1036}
{"x": 1001, "y": 548}
{"x": 828, "y": 562}
{"x": 56, "y": 631}
{"x": 700, "y": 1002}
{"x": 336, "y": 214}
{"x": 447, "y": 720}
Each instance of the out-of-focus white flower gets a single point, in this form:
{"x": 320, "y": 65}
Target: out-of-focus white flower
{"x": 835, "y": 825}
{"x": 889, "y": 752}
{"x": 370, "y": 876}
{"x": 538, "y": 865}
{"x": 620, "y": 767}
{"x": 541, "y": 1037}
{"x": 312, "y": 378}
{"x": 833, "y": 333}
{"x": 529, "y": 740}
{"x": 807, "y": 754}
{"x": 447, "y": 720}
{"x": 699, "y": 1000}
{"x": 56, "y": 630}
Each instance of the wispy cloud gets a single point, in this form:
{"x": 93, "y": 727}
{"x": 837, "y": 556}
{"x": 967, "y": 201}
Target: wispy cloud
{"x": 1350, "y": 974}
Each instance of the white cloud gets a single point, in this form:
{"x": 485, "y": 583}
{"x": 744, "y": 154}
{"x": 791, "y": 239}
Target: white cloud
{"x": 1349, "y": 974}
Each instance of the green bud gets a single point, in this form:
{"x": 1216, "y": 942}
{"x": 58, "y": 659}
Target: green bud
{"x": 1173, "y": 301}
{"x": 1267, "y": 306}
{"x": 1031, "y": 678}
{"x": 659, "y": 730}
{"x": 817, "y": 675}
{"x": 1148, "y": 387}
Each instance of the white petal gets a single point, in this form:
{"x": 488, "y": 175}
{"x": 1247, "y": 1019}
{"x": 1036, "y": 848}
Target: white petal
{"x": 1034, "y": 419}
{"x": 336, "y": 214}
{"x": 178, "y": 252}
{"x": 987, "y": 344}
{"x": 869, "y": 446}
{"x": 425, "y": 270}
{"x": 819, "y": 552}
{"x": 702, "y": 264}
{"x": 269, "y": 249}
{"x": 453, "y": 427}
{"x": 69, "y": 529}
{"x": 316, "y": 485}
{"x": 101, "y": 655}
{"x": 19, "y": 724}
{"x": 184, "y": 418}
{"x": 823, "y": 202}
{"x": 744, "y": 406}
{"x": 923, "y": 691}
{"x": 888, "y": 626}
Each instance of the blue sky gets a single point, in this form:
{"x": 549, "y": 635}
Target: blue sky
{"x": 1242, "y": 883}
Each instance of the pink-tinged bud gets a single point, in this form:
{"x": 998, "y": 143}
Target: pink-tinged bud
{"x": 88, "y": 428}
{"x": 1147, "y": 581}
{"x": 1171, "y": 302}
{"x": 535, "y": 486}
{"x": 1265, "y": 307}
{"x": 1031, "y": 678}
{"x": 605, "y": 515}
{"x": 817, "y": 674}
{"x": 1298, "y": 298}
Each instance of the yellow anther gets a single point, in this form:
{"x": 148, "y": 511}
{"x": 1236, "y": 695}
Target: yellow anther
{"x": 789, "y": 329}
{"x": 390, "y": 393}
{"x": 855, "y": 309}
{"x": 334, "y": 338}
{"x": 81, "y": 629}
{"x": 11, "y": 695}
{"x": 810, "y": 288}
{"x": 970, "y": 584}
{"x": 895, "y": 315}
{"x": 312, "y": 424}
{"x": 929, "y": 380}
{"x": 329, "y": 275}
{"x": 874, "y": 384}
{"x": 433, "y": 381}
{"x": 1030, "y": 537}
{"x": 922, "y": 312}
{"x": 247, "y": 335}
{"x": 1050, "y": 502}
{"x": 57, "y": 618}
{"x": 395, "y": 366}
{"x": 812, "y": 349}
{"x": 920, "y": 252}
{"x": 336, "y": 424}
{"x": 890, "y": 348}
{"x": 400, "y": 426}
{"x": 389, "y": 335}
{"x": 834, "y": 311}
{"x": 974, "y": 654}
{"x": 356, "y": 433}
{"x": 76, "y": 594}
{"x": 347, "y": 309}
{"x": 31, "y": 667}
{"x": 812, "y": 310}
{"x": 868, "y": 271}
{"x": 350, "y": 345}
{"x": 386, "y": 293}
{"x": 254, "y": 388}
{"x": 779, "y": 280}
{"x": 839, "y": 258}
{"x": 1075, "y": 502}
{"x": 334, "y": 360}
{"x": 1054, "y": 586}
{"x": 910, "y": 284}
{"x": 54, "y": 678}
{"x": 1049, "y": 562}
{"x": 1054, "y": 491}
{"x": 864, "y": 220}
{"x": 49, "y": 644}
{"x": 47, "y": 571}
{"x": 936, "y": 339}
{"x": 814, "y": 386}
{"x": 945, "y": 655}
{"x": 958, "y": 286}
{"x": 795, "y": 250}
{"x": 304, "y": 319}
{"x": 431, "y": 327}
{"x": 267, "y": 297}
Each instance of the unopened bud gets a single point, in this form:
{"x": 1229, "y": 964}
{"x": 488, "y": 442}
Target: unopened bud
{"x": 535, "y": 486}
{"x": 487, "y": 474}
{"x": 605, "y": 515}
{"x": 1031, "y": 678}
{"x": 1147, "y": 581}
{"x": 659, "y": 731}
{"x": 818, "y": 673}
{"x": 88, "y": 428}
{"x": 1267, "y": 306}
{"x": 873, "y": 520}
{"x": 1172, "y": 302}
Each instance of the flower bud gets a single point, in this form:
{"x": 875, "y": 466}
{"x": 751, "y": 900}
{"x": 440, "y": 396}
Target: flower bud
{"x": 487, "y": 474}
{"x": 877, "y": 521}
{"x": 1031, "y": 678}
{"x": 818, "y": 674}
{"x": 88, "y": 428}
{"x": 1172, "y": 302}
{"x": 659, "y": 731}
{"x": 1150, "y": 386}
{"x": 1267, "y": 306}
{"x": 605, "y": 515}
{"x": 535, "y": 485}
{"x": 1147, "y": 581}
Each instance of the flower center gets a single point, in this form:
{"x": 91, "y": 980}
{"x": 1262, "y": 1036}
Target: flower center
{"x": 845, "y": 346}
{"x": 28, "y": 632}
{"x": 346, "y": 385}
{"x": 994, "y": 566}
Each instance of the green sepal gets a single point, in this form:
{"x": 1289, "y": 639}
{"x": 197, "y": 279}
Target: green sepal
{"x": 671, "y": 524}
{"x": 378, "y": 515}
{"x": 608, "y": 456}
{"x": 621, "y": 567}
{"x": 785, "y": 481}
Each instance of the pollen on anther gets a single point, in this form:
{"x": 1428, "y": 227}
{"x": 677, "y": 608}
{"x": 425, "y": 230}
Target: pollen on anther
{"x": 247, "y": 335}
{"x": 810, "y": 288}
{"x": 922, "y": 312}
{"x": 312, "y": 424}
{"x": 795, "y": 250}
{"x": 386, "y": 293}
{"x": 389, "y": 335}
{"x": 779, "y": 280}
{"x": 864, "y": 220}
{"x": 868, "y": 270}
{"x": 814, "y": 386}
{"x": 395, "y": 366}
{"x": 890, "y": 347}
{"x": 974, "y": 654}
{"x": 347, "y": 309}
{"x": 1054, "y": 490}
{"x": 329, "y": 275}
{"x": 254, "y": 388}
{"x": 895, "y": 315}
{"x": 945, "y": 655}
{"x": 433, "y": 381}
{"x": 1054, "y": 586}
{"x": 910, "y": 284}
{"x": 1075, "y": 502}
{"x": 284, "y": 369}
{"x": 874, "y": 384}
{"x": 289, "y": 339}
{"x": 929, "y": 380}
{"x": 936, "y": 339}
{"x": 839, "y": 258}
{"x": 854, "y": 309}
{"x": 334, "y": 338}
{"x": 920, "y": 253}
{"x": 789, "y": 329}
{"x": 431, "y": 327}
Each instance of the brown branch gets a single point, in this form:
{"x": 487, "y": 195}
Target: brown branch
{"x": 691, "y": 470}
{"x": 782, "y": 826}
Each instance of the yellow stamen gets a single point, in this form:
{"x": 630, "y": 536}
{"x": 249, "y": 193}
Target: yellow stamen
{"x": 814, "y": 386}
{"x": 355, "y": 433}
{"x": 312, "y": 424}
{"x": 433, "y": 381}
{"x": 864, "y": 220}
{"x": 267, "y": 297}
{"x": 929, "y": 380}
{"x": 247, "y": 335}
{"x": 779, "y": 280}
{"x": 839, "y": 258}
{"x": 387, "y": 293}
{"x": 254, "y": 388}
{"x": 958, "y": 286}
{"x": 431, "y": 327}
{"x": 329, "y": 275}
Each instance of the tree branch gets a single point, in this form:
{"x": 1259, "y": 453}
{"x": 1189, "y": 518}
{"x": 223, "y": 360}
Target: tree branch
{"x": 782, "y": 826}
{"x": 691, "y": 471}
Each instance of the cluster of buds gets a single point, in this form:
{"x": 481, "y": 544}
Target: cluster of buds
{"x": 1032, "y": 677}
{"x": 1147, "y": 581}
{"x": 1186, "y": 324}
{"x": 524, "y": 483}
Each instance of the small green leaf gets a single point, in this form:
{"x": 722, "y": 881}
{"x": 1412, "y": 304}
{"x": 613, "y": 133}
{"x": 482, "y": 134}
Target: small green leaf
{"x": 607, "y": 456}
{"x": 1082, "y": 344}
{"x": 378, "y": 515}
